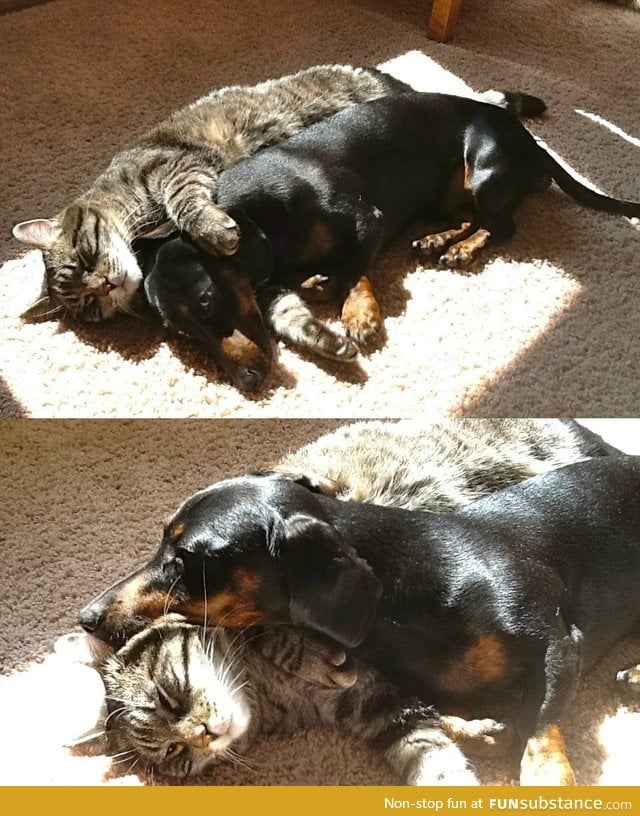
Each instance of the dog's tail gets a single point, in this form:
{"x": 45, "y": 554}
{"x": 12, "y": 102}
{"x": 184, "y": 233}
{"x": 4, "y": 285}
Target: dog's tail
{"x": 585, "y": 195}
{"x": 519, "y": 104}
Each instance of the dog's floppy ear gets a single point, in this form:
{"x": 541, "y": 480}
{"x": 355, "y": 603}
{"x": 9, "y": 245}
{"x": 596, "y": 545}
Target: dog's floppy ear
{"x": 331, "y": 589}
{"x": 255, "y": 252}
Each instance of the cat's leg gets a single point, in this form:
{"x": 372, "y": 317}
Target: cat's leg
{"x": 410, "y": 734}
{"x": 291, "y": 318}
{"x": 185, "y": 185}
{"x": 423, "y": 754}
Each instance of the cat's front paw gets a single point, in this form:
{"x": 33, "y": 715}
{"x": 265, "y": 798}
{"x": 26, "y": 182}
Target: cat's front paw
{"x": 217, "y": 233}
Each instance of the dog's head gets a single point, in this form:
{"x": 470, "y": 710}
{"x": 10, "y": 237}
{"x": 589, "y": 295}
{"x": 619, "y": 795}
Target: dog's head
{"x": 209, "y": 298}
{"x": 252, "y": 550}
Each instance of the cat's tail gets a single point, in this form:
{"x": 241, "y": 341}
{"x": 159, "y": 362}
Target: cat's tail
{"x": 522, "y": 105}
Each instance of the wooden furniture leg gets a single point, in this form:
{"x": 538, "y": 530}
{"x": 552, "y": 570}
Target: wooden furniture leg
{"x": 444, "y": 16}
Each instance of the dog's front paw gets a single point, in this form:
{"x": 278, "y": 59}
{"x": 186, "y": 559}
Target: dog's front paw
{"x": 360, "y": 312}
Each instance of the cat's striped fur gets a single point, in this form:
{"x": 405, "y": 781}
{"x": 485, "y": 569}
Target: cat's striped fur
{"x": 180, "y": 700}
{"x": 169, "y": 177}
{"x": 437, "y": 466}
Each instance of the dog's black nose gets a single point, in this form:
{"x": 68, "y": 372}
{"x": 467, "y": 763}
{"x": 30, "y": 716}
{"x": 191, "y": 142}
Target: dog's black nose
{"x": 90, "y": 618}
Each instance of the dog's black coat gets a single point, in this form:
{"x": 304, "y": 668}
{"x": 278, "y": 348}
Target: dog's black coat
{"x": 329, "y": 198}
{"x": 491, "y": 610}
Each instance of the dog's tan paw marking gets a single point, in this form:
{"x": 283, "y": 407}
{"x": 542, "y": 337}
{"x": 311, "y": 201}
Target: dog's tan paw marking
{"x": 361, "y": 315}
{"x": 432, "y": 244}
{"x": 545, "y": 762}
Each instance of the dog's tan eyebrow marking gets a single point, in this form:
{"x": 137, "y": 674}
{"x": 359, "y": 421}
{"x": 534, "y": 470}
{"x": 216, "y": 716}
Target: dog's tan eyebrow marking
{"x": 177, "y": 530}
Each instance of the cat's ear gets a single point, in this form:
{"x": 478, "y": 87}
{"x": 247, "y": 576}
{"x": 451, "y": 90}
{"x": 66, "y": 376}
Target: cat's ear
{"x": 331, "y": 589}
{"x": 39, "y": 232}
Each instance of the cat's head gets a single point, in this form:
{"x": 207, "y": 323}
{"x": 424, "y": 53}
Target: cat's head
{"x": 174, "y": 700}
{"x": 91, "y": 272}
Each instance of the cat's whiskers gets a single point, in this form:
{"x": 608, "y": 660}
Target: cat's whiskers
{"x": 129, "y": 703}
{"x": 127, "y": 754}
{"x": 228, "y": 660}
{"x": 167, "y": 599}
{"x": 51, "y": 311}
{"x": 131, "y": 767}
{"x": 236, "y": 759}
{"x": 235, "y": 689}
{"x": 204, "y": 595}
{"x": 219, "y": 627}
{"x": 117, "y": 711}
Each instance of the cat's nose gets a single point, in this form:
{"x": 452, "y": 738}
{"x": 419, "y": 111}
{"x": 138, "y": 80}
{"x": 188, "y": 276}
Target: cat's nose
{"x": 216, "y": 727}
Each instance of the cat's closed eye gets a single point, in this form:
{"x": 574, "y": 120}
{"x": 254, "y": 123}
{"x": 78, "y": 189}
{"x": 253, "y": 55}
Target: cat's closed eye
{"x": 167, "y": 700}
{"x": 173, "y": 749}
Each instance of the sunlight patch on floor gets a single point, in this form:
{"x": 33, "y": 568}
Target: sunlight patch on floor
{"x": 618, "y": 736}
{"x": 425, "y": 74}
{"x": 600, "y": 120}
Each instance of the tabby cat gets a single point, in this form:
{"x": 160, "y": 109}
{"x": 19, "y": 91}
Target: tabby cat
{"x": 180, "y": 700}
{"x": 167, "y": 179}
{"x": 441, "y": 466}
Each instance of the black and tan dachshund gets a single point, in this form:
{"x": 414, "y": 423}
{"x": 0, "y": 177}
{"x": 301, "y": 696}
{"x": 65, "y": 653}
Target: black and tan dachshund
{"x": 328, "y": 199}
{"x": 494, "y": 610}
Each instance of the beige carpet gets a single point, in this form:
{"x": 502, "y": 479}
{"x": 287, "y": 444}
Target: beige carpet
{"x": 545, "y": 326}
{"x": 81, "y": 503}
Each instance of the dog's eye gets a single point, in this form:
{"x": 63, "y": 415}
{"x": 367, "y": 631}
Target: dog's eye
{"x": 205, "y": 300}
